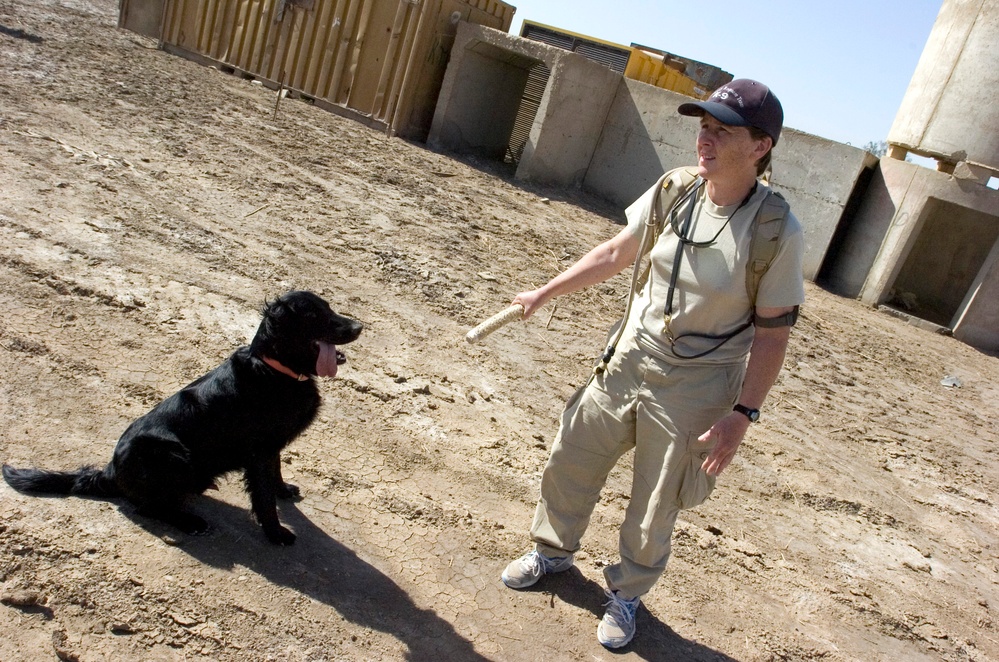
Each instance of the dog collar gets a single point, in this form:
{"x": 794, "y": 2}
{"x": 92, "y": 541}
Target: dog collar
{"x": 284, "y": 370}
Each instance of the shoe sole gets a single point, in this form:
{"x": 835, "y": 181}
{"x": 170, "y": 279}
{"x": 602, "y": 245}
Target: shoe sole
{"x": 506, "y": 582}
{"x": 613, "y": 645}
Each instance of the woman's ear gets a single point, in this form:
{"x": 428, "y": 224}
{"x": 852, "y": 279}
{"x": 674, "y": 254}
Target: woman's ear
{"x": 763, "y": 146}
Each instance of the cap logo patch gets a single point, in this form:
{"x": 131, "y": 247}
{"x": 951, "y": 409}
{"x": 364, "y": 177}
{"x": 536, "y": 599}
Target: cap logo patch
{"x": 724, "y": 92}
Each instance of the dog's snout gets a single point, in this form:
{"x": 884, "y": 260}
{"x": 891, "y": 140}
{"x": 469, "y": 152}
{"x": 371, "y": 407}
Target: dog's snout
{"x": 349, "y": 330}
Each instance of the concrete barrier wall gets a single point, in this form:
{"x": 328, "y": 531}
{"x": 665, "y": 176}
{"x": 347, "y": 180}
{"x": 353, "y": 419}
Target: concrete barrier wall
{"x": 978, "y": 321}
{"x": 642, "y": 138}
{"x": 931, "y": 236}
{"x": 908, "y": 188}
{"x": 917, "y": 197}
{"x": 478, "y": 102}
{"x": 860, "y": 241}
{"x": 817, "y": 176}
{"x": 481, "y": 92}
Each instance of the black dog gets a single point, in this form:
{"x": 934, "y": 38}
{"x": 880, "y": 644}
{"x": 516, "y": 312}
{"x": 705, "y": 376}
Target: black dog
{"x": 237, "y": 417}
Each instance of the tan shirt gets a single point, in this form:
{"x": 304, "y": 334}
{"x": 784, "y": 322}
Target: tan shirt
{"x": 710, "y": 295}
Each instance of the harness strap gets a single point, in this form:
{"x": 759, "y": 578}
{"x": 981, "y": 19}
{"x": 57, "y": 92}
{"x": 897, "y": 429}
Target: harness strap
{"x": 673, "y": 186}
{"x": 767, "y": 228}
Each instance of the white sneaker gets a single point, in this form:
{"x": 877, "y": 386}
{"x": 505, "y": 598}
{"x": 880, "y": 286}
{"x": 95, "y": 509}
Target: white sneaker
{"x": 618, "y": 625}
{"x": 529, "y": 568}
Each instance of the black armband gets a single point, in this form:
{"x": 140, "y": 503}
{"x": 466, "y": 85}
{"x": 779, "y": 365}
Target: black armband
{"x": 787, "y": 319}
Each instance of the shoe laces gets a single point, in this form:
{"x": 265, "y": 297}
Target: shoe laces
{"x": 620, "y": 609}
{"x": 538, "y": 562}
{"x": 533, "y": 562}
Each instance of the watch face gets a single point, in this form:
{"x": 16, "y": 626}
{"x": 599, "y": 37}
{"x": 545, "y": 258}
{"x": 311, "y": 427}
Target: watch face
{"x": 752, "y": 414}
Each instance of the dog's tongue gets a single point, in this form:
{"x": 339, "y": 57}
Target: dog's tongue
{"x": 326, "y": 364}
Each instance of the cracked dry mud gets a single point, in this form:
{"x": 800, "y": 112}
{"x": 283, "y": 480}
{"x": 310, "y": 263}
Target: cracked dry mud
{"x": 149, "y": 206}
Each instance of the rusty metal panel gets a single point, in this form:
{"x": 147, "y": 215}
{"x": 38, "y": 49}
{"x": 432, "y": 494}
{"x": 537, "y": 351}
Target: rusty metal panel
{"x": 382, "y": 59}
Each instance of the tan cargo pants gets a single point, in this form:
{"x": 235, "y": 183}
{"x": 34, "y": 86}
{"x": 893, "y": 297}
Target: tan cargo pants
{"x": 660, "y": 410}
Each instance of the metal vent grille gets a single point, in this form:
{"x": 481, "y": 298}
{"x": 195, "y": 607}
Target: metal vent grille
{"x": 537, "y": 80}
{"x": 610, "y": 56}
{"x": 616, "y": 60}
{"x": 550, "y": 37}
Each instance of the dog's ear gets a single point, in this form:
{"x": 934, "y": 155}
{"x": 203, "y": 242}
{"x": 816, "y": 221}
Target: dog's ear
{"x": 275, "y": 309}
{"x": 272, "y": 313}
{"x": 268, "y": 304}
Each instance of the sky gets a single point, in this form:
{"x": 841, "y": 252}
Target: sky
{"x": 840, "y": 69}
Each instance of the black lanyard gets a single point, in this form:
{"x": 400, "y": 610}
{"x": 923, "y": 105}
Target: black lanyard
{"x": 685, "y": 240}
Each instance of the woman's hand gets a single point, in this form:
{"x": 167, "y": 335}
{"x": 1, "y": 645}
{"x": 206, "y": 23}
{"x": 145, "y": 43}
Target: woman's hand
{"x": 531, "y": 300}
{"x": 726, "y": 435}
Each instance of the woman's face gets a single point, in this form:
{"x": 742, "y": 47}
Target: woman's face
{"x": 724, "y": 150}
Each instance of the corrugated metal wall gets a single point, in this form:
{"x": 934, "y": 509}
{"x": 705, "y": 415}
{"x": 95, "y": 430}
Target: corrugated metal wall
{"x": 382, "y": 59}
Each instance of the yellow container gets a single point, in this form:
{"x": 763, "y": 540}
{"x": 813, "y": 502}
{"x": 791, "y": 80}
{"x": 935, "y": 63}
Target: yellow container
{"x": 650, "y": 69}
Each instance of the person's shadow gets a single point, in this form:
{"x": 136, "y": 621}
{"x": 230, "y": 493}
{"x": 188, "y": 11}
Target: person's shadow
{"x": 320, "y": 567}
{"x": 654, "y": 640}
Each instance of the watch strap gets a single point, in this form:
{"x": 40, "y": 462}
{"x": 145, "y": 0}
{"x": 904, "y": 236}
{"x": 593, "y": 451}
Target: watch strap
{"x": 752, "y": 414}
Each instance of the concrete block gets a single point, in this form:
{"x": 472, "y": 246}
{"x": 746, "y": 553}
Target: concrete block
{"x": 977, "y": 322}
{"x": 569, "y": 121}
{"x": 927, "y": 242}
{"x": 817, "y": 176}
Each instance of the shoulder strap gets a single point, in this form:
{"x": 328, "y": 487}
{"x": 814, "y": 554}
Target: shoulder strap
{"x": 669, "y": 188}
{"x": 766, "y": 231}
{"x": 676, "y": 185}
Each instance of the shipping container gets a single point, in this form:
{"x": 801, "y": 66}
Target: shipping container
{"x": 381, "y": 61}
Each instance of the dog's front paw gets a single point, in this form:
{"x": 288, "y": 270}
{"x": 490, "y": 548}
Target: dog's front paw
{"x": 289, "y": 491}
{"x": 280, "y": 536}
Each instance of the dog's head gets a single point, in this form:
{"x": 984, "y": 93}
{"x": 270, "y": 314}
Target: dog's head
{"x": 300, "y": 330}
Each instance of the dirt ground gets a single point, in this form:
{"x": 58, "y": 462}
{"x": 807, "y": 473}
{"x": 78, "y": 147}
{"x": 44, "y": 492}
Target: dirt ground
{"x": 149, "y": 206}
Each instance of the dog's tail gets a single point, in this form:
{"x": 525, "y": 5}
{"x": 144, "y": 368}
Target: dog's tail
{"x": 86, "y": 481}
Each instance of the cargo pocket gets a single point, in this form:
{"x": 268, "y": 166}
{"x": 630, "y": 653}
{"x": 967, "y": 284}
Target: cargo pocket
{"x": 697, "y": 485}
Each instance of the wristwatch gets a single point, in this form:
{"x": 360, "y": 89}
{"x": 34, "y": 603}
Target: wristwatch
{"x": 752, "y": 414}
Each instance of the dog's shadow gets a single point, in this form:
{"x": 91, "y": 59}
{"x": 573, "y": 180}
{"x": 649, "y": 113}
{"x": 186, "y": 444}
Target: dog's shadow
{"x": 654, "y": 639}
{"x": 319, "y": 567}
